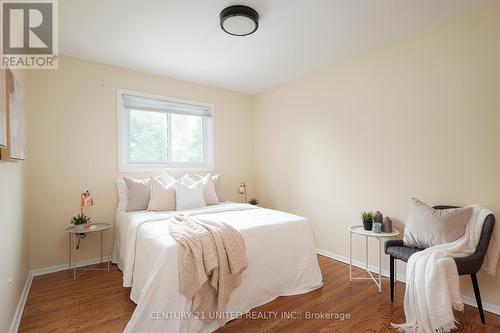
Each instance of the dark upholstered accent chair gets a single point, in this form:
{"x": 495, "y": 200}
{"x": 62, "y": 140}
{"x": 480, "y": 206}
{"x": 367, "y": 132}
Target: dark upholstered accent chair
{"x": 466, "y": 265}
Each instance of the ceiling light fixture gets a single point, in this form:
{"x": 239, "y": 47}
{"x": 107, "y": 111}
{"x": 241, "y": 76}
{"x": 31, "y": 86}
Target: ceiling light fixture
{"x": 239, "y": 20}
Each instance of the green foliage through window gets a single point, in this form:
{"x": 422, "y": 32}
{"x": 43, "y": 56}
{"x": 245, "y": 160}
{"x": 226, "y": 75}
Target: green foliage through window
{"x": 149, "y": 137}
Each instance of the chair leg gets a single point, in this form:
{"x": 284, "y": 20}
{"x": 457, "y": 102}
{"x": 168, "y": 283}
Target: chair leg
{"x": 392, "y": 278}
{"x": 478, "y": 296}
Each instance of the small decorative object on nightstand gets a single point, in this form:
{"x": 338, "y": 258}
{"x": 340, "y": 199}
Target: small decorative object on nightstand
{"x": 79, "y": 222}
{"x": 367, "y": 218}
{"x": 377, "y": 222}
{"x": 73, "y": 236}
{"x": 253, "y": 201}
{"x": 243, "y": 190}
{"x": 86, "y": 200}
{"x": 387, "y": 225}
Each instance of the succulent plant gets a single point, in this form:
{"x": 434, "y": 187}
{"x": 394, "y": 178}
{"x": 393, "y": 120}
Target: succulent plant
{"x": 80, "y": 219}
{"x": 253, "y": 201}
{"x": 367, "y": 217}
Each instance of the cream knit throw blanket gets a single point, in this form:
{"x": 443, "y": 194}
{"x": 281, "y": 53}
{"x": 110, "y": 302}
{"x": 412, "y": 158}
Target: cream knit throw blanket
{"x": 212, "y": 257}
{"x": 432, "y": 284}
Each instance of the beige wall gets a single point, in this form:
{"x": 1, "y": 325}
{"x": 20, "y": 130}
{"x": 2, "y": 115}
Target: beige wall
{"x": 14, "y": 249}
{"x": 73, "y": 146}
{"x": 419, "y": 117}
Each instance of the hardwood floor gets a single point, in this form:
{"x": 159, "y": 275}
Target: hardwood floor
{"x": 98, "y": 303}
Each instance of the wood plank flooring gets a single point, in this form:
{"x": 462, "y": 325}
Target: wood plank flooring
{"x": 98, "y": 303}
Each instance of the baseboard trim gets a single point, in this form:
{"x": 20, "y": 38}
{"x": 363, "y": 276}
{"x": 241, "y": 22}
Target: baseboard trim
{"x": 401, "y": 277}
{"x": 58, "y": 268}
{"x": 14, "y": 327}
{"x": 495, "y": 309}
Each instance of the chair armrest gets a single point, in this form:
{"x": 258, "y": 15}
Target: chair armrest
{"x": 392, "y": 242}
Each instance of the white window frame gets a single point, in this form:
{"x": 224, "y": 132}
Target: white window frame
{"x": 123, "y": 131}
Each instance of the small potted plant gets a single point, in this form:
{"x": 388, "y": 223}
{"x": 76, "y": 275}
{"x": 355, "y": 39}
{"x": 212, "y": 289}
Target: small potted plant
{"x": 253, "y": 201}
{"x": 367, "y": 218}
{"x": 80, "y": 221}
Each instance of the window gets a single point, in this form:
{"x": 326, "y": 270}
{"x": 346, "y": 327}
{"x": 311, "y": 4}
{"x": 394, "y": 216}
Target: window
{"x": 161, "y": 133}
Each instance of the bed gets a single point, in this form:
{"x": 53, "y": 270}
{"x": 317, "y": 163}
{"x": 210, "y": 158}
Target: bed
{"x": 280, "y": 250}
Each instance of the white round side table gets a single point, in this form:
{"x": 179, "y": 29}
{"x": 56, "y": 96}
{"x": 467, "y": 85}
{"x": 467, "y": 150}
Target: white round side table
{"x": 359, "y": 230}
{"x": 72, "y": 236}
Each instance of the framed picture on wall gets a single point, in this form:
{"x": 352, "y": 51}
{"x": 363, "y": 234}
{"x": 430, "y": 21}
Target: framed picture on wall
{"x": 16, "y": 117}
{"x": 3, "y": 111}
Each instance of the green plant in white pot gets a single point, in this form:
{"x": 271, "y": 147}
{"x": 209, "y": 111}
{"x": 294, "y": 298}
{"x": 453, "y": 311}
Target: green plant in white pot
{"x": 80, "y": 221}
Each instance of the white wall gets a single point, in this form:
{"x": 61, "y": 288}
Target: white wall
{"x": 14, "y": 248}
{"x": 419, "y": 117}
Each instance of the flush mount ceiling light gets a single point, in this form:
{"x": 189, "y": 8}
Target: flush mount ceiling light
{"x": 239, "y": 20}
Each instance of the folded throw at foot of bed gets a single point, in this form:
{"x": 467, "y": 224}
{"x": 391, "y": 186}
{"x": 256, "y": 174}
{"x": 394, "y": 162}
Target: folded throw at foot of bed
{"x": 212, "y": 257}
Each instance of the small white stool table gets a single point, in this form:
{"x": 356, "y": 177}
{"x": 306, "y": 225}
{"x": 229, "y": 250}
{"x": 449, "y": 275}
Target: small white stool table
{"x": 359, "y": 230}
{"x": 72, "y": 235}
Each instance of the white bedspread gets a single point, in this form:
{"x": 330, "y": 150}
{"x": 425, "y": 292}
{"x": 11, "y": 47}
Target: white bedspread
{"x": 128, "y": 223}
{"x": 281, "y": 255}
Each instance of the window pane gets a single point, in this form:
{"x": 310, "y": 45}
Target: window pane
{"x": 148, "y": 136}
{"x": 187, "y": 138}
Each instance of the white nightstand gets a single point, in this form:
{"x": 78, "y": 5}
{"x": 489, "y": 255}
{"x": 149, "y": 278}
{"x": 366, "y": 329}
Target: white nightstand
{"x": 72, "y": 236}
{"x": 359, "y": 230}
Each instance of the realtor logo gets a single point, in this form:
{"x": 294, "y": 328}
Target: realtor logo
{"x": 29, "y": 34}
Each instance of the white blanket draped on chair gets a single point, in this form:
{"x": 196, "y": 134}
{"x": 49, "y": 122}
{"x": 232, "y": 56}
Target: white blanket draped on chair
{"x": 432, "y": 283}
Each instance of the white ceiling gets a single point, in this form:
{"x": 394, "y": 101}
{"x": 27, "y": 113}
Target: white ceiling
{"x": 182, "y": 38}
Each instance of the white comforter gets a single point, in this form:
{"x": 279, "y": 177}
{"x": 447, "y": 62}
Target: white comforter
{"x": 280, "y": 249}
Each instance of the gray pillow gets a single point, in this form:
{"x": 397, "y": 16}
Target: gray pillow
{"x": 138, "y": 193}
{"x": 427, "y": 226}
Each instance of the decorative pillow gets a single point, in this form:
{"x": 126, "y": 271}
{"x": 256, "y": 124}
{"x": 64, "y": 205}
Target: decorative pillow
{"x": 427, "y": 226}
{"x": 218, "y": 188}
{"x": 189, "y": 197}
{"x": 166, "y": 179}
{"x": 138, "y": 193}
{"x": 162, "y": 197}
{"x": 210, "y": 198}
{"x": 189, "y": 179}
{"x": 209, "y": 190}
{"x": 121, "y": 186}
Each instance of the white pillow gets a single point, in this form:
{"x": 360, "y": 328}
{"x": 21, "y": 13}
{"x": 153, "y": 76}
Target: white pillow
{"x": 166, "y": 179}
{"x": 189, "y": 179}
{"x": 122, "y": 194}
{"x": 210, "y": 198}
{"x": 189, "y": 197}
{"x": 162, "y": 197}
{"x": 209, "y": 190}
{"x": 218, "y": 187}
{"x": 122, "y": 188}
